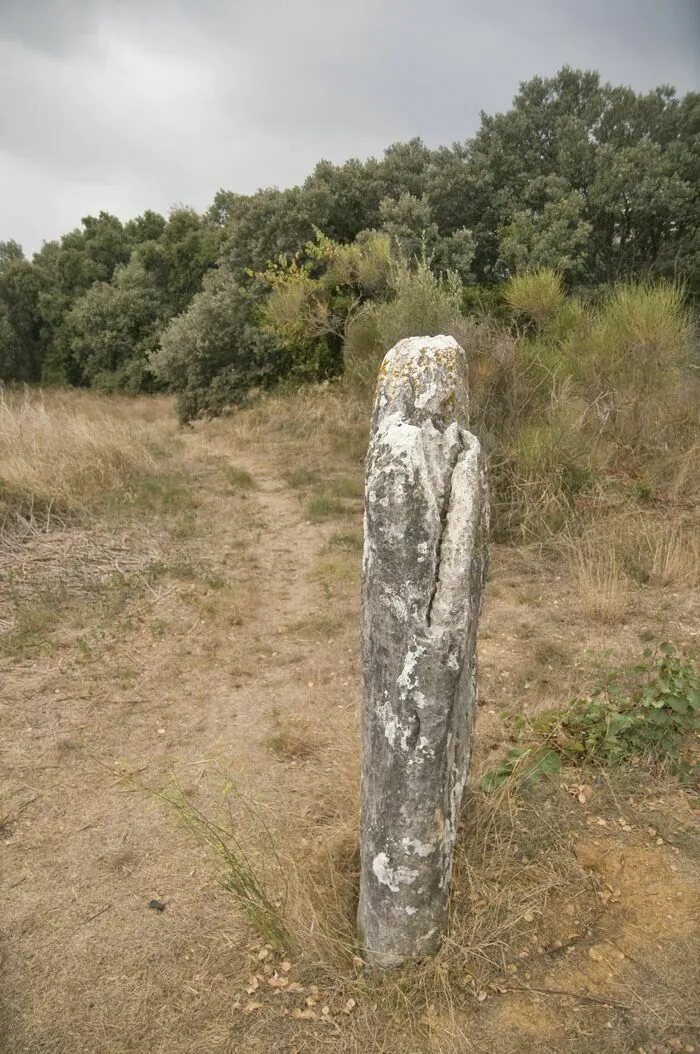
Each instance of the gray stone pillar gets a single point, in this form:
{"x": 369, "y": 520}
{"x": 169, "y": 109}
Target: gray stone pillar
{"x": 424, "y": 565}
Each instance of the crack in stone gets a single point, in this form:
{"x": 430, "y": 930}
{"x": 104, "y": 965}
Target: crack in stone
{"x": 455, "y": 455}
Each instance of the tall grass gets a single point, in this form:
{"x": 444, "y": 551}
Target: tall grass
{"x": 238, "y": 873}
{"x": 590, "y": 408}
{"x": 602, "y": 585}
{"x": 643, "y": 336}
{"x": 59, "y": 452}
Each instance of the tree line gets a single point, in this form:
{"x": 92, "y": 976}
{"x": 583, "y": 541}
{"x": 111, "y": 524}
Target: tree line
{"x": 595, "y": 181}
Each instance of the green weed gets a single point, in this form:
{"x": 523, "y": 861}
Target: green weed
{"x": 302, "y": 477}
{"x": 347, "y": 487}
{"x": 164, "y": 493}
{"x": 537, "y": 295}
{"x": 647, "y": 713}
{"x": 322, "y": 507}
{"x": 349, "y": 542}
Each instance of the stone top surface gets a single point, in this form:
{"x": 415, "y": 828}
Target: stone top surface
{"x": 421, "y": 379}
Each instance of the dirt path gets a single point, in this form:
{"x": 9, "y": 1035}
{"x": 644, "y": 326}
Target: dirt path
{"x": 220, "y": 652}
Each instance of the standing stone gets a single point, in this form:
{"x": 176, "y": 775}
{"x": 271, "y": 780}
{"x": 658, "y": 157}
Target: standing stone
{"x": 424, "y": 565}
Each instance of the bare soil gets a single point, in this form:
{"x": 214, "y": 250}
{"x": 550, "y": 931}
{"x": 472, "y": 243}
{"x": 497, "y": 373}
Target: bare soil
{"x": 212, "y": 639}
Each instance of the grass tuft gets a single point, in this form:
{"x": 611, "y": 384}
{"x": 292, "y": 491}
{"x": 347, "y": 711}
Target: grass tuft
{"x": 238, "y": 873}
{"x": 323, "y": 506}
{"x": 601, "y": 582}
{"x": 536, "y": 294}
{"x": 239, "y": 478}
{"x": 294, "y": 740}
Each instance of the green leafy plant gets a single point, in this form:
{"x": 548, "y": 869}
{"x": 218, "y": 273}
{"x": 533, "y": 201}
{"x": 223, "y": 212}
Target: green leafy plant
{"x": 649, "y": 712}
{"x": 528, "y": 764}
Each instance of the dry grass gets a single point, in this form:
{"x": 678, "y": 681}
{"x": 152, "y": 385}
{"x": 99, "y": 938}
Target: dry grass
{"x": 530, "y": 908}
{"x": 58, "y": 453}
{"x": 500, "y": 875}
{"x": 305, "y": 427}
{"x": 602, "y": 585}
{"x": 674, "y": 551}
{"x": 339, "y": 566}
{"x": 631, "y": 543}
{"x": 294, "y": 739}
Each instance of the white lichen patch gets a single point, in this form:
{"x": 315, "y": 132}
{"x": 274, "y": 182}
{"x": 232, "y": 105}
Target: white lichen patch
{"x": 388, "y": 720}
{"x": 393, "y": 877}
{"x": 407, "y": 678}
{"x": 413, "y": 845}
{"x": 425, "y": 747}
{"x": 397, "y": 605}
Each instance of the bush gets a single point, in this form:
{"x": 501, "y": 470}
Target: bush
{"x": 537, "y": 295}
{"x": 584, "y": 398}
{"x": 214, "y": 354}
{"x": 315, "y": 295}
{"x": 422, "y": 304}
{"x": 643, "y": 336}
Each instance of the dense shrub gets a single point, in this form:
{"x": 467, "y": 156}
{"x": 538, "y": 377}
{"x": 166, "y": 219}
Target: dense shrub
{"x": 214, "y": 353}
{"x": 581, "y": 398}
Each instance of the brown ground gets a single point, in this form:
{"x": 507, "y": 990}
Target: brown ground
{"x": 208, "y": 633}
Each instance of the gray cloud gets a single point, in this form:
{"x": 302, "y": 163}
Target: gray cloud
{"x": 57, "y": 28}
{"x": 131, "y": 104}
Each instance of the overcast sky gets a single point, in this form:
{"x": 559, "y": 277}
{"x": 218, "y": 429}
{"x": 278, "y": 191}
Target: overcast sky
{"x": 125, "y": 105}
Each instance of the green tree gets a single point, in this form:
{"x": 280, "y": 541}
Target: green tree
{"x": 315, "y": 295}
{"x": 69, "y": 268}
{"x": 448, "y": 189}
{"x": 21, "y": 344}
{"x": 147, "y": 227}
{"x": 264, "y": 226}
{"x": 344, "y": 199}
{"x": 632, "y": 160}
{"x": 405, "y": 169}
{"x": 9, "y": 352}
{"x": 557, "y": 237}
{"x": 170, "y": 258}
{"x": 10, "y": 252}
{"x": 177, "y": 261}
{"x": 214, "y": 353}
{"x": 409, "y": 223}
{"x": 112, "y": 329}
{"x": 644, "y": 215}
